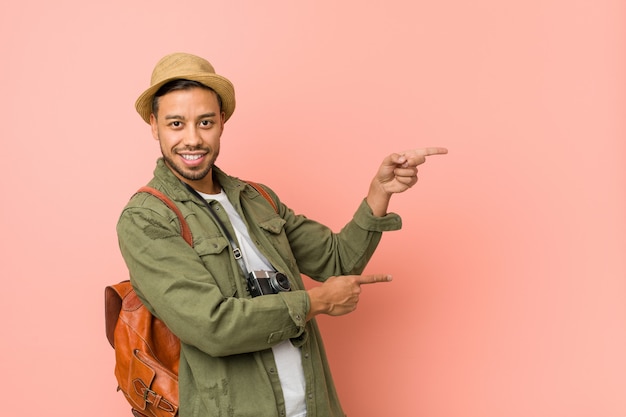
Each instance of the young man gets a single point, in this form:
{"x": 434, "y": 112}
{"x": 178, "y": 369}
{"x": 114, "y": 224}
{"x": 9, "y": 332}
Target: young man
{"x": 249, "y": 342}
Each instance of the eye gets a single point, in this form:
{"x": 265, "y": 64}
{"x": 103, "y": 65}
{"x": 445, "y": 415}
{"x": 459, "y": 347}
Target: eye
{"x": 206, "y": 123}
{"x": 176, "y": 124}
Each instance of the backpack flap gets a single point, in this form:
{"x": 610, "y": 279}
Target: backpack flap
{"x": 153, "y": 387}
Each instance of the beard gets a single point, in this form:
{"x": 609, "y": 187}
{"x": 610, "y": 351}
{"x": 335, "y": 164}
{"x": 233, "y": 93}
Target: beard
{"x": 191, "y": 173}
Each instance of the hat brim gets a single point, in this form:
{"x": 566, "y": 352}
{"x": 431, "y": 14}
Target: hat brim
{"x": 222, "y": 86}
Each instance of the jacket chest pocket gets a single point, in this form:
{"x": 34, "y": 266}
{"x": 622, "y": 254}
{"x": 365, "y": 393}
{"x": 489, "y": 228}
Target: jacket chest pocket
{"x": 274, "y": 231}
{"x": 216, "y": 256}
{"x": 274, "y": 226}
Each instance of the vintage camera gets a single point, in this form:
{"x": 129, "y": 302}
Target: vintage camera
{"x": 267, "y": 282}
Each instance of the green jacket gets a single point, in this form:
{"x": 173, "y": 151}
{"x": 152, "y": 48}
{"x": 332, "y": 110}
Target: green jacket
{"x": 226, "y": 365}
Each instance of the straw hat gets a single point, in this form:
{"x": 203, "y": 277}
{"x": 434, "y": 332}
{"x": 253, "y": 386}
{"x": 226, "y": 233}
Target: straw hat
{"x": 179, "y": 66}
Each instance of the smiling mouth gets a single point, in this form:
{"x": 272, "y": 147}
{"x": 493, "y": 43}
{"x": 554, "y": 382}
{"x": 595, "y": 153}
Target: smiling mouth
{"x": 188, "y": 157}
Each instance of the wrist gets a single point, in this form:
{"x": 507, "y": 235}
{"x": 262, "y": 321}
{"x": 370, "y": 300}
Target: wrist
{"x": 317, "y": 305}
{"x": 378, "y": 199}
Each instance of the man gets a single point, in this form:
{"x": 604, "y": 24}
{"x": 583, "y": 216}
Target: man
{"x": 244, "y": 352}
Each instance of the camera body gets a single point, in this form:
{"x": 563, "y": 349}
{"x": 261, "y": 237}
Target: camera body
{"x": 267, "y": 282}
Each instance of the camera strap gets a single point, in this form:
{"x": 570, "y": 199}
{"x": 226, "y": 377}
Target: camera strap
{"x": 237, "y": 254}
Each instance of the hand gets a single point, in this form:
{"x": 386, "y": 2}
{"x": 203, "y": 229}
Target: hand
{"x": 340, "y": 295}
{"x": 396, "y": 174}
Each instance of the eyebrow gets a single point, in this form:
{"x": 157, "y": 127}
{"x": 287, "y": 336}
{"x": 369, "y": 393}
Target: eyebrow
{"x": 177, "y": 117}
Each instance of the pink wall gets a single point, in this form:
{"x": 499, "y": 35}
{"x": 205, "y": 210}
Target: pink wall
{"x": 509, "y": 297}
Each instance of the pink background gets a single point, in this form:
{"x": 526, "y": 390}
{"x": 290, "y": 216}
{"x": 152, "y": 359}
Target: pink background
{"x": 509, "y": 297}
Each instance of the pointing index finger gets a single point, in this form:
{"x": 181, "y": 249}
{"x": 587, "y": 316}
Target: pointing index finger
{"x": 373, "y": 278}
{"x": 432, "y": 151}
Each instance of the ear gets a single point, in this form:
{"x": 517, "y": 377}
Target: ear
{"x": 153, "y": 125}
{"x": 222, "y": 120}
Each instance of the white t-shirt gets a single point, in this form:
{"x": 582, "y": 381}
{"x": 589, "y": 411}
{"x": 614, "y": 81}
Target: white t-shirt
{"x": 286, "y": 355}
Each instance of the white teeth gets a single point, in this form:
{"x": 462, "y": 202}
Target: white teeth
{"x": 191, "y": 157}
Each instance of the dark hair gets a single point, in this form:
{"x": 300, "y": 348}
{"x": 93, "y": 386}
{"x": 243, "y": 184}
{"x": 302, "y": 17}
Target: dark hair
{"x": 179, "y": 85}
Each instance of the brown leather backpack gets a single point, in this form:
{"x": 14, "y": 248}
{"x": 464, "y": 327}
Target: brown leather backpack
{"x": 147, "y": 354}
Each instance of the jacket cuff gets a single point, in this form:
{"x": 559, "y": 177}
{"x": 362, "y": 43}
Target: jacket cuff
{"x": 298, "y": 306}
{"x": 366, "y": 220}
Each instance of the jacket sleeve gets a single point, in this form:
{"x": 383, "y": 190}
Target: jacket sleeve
{"x": 320, "y": 253}
{"x": 174, "y": 284}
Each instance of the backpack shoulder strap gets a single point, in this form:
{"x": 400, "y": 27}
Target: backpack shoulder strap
{"x": 185, "y": 231}
{"x": 264, "y": 193}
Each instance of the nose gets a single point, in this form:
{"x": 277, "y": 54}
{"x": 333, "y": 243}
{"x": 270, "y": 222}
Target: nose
{"x": 192, "y": 136}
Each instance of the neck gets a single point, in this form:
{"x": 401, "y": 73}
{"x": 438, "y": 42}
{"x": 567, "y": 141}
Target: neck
{"x": 204, "y": 186}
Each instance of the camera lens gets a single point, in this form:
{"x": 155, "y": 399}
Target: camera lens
{"x": 280, "y": 282}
